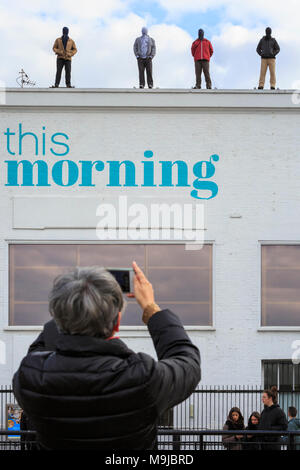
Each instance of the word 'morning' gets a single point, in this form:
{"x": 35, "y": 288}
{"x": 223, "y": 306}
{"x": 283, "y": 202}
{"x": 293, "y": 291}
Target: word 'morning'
{"x": 68, "y": 173}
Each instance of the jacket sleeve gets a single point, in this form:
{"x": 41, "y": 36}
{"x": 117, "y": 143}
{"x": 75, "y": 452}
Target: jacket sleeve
{"x": 281, "y": 424}
{"x": 226, "y": 438}
{"x": 74, "y": 49}
{"x": 55, "y": 47}
{"x": 17, "y": 389}
{"x": 135, "y": 47}
{"x": 276, "y": 47}
{"x": 291, "y": 427}
{"x": 258, "y": 49}
{"x": 177, "y": 371}
{"x": 193, "y": 48}
{"x": 211, "y": 51}
{"x": 153, "y": 49}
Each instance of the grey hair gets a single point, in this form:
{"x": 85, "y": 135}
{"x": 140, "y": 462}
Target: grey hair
{"x": 86, "y": 301}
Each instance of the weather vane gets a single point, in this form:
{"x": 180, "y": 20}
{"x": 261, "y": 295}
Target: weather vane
{"x": 23, "y": 79}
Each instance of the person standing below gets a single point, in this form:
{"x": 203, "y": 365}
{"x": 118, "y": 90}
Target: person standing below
{"x": 235, "y": 421}
{"x": 293, "y": 425}
{"x": 267, "y": 49}
{"x": 202, "y": 51}
{"x": 144, "y": 49}
{"x": 64, "y": 47}
{"x": 251, "y": 442}
{"x": 272, "y": 418}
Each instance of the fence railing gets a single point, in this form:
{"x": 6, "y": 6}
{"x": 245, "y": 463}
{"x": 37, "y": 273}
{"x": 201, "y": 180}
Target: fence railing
{"x": 183, "y": 440}
{"x": 211, "y": 439}
{"x": 208, "y": 406}
{"x": 206, "y": 409}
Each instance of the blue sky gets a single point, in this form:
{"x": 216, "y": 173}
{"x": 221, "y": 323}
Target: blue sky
{"x": 104, "y": 33}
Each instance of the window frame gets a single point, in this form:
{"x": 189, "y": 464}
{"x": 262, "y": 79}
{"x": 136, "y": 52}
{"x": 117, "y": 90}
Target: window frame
{"x": 261, "y": 326}
{"x": 278, "y": 363}
{"x": 126, "y": 330}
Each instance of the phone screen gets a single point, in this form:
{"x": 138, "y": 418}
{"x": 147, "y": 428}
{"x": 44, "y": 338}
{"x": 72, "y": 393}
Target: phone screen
{"x": 123, "y": 278}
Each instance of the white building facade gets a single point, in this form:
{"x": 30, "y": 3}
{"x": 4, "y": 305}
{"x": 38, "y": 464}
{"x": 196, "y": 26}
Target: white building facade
{"x": 238, "y": 296}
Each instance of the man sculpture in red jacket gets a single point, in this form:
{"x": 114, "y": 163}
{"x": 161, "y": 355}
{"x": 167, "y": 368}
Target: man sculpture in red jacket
{"x": 202, "y": 51}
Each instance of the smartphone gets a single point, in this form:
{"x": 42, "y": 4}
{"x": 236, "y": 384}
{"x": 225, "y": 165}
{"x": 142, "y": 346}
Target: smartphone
{"x": 124, "y": 276}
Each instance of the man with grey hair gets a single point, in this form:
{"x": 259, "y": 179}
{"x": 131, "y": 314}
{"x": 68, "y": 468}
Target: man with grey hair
{"x": 92, "y": 392}
{"x": 144, "y": 49}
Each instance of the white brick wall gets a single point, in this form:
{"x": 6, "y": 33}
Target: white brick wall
{"x": 257, "y": 138}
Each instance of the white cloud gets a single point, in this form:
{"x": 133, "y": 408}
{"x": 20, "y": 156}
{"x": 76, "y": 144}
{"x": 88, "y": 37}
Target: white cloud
{"x": 67, "y": 9}
{"x": 104, "y": 32}
{"x": 179, "y": 6}
{"x": 275, "y": 10}
{"x": 105, "y": 48}
{"x": 236, "y": 36}
{"x": 283, "y": 17}
{"x": 235, "y": 62}
{"x": 174, "y": 67}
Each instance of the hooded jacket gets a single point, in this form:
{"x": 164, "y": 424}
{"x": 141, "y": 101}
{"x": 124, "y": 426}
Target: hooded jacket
{"x": 95, "y": 394}
{"x": 272, "y": 418}
{"x": 250, "y": 441}
{"x": 137, "y": 47}
{"x": 267, "y": 47}
{"x": 202, "y": 49}
{"x": 62, "y": 52}
{"x": 231, "y": 442}
{"x": 293, "y": 425}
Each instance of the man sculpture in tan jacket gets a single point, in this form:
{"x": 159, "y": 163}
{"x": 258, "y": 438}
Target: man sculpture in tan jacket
{"x": 64, "y": 47}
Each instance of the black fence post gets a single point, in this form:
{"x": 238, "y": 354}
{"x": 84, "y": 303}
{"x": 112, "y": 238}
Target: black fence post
{"x": 201, "y": 442}
{"x": 176, "y": 441}
{"x": 291, "y": 442}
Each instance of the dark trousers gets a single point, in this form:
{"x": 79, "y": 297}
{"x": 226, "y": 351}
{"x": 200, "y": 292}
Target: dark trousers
{"x": 202, "y": 65}
{"x": 142, "y": 65}
{"x": 60, "y": 64}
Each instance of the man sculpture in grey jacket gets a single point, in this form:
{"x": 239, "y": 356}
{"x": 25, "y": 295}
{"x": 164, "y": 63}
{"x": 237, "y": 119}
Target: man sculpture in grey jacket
{"x": 144, "y": 49}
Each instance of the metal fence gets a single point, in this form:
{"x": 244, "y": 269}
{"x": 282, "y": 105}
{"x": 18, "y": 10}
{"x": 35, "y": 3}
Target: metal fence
{"x": 205, "y": 411}
{"x": 182, "y": 440}
{"x": 211, "y": 440}
{"x": 208, "y": 406}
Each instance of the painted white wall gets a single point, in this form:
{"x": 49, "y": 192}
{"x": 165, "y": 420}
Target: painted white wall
{"x": 257, "y": 138}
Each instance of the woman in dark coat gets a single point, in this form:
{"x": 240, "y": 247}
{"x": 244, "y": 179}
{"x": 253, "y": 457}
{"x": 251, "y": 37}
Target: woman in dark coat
{"x": 272, "y": 418}
{"x": 235, "y": 421}
{"x": 251, "y": 442}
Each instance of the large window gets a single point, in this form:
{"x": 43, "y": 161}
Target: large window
{"x": 281, "y": 285}
{"x": 284, "y": 374}
{"x": 182, "y": 279}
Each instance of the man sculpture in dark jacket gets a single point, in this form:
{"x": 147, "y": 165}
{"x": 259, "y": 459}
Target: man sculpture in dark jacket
{"x": 92, "y": 392}
{"x": 268, "y": 49}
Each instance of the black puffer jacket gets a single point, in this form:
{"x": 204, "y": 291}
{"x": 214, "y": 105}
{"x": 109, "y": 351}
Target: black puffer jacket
{"x": 267, "y": 48}
{"x": 272, "y": 418}
{"x": 47, "y": 340}
{"x": 98, "y": 394}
